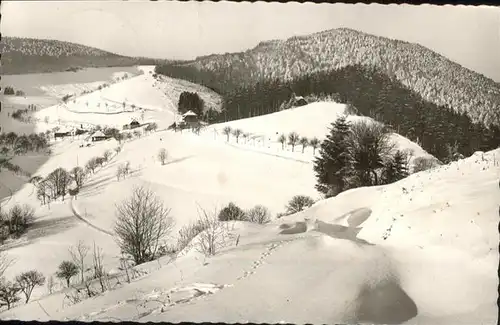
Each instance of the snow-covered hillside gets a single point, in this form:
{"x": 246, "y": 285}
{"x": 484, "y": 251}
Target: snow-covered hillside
{"x": 429, "y": 258}
{"x": 311, "y": 121}
{"x": 333, "y": 258}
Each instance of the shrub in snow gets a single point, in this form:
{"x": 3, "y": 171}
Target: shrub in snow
{"x": 213, "y": 237}
{"x": 189, "y": 232}
{"x": 162, "y": 155}
{"x": 231, "y": 212}
{"x": 258, "y": 214}
{"x": 19, "y": 218}
{"x": 137, "y": 133}
{"x": 298, "y": 203}
{"x": 424, "y": 163}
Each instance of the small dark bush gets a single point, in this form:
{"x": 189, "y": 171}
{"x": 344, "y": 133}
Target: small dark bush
{"x": 232, "y": 212}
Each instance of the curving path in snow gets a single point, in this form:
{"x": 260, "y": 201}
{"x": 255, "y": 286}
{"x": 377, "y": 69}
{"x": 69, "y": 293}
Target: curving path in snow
{"x": 79, "y": 216}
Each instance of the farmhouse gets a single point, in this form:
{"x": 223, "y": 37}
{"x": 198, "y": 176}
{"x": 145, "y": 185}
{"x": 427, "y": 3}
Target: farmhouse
{"x": 299, "y": 101}
{"x": 61, "y": 134}
{"x": 134, "y": 124}
{"x": 98, "y": 136}
{"x": 190, "y": 117}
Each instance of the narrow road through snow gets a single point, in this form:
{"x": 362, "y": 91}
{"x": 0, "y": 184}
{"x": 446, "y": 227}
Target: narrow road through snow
{"x": 76, "y": 214}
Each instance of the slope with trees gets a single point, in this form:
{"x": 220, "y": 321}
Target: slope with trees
{"x": 28, "y": 55}
{"x": 430, "y": 75}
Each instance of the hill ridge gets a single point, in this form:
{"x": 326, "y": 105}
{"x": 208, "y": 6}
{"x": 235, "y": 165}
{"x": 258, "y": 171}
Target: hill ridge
{"x": 433, "y": 76}
{"x": 22, "y": 55}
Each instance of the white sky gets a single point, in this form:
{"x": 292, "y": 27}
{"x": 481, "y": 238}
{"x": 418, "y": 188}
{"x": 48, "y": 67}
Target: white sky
{"x": 184, "y": 30}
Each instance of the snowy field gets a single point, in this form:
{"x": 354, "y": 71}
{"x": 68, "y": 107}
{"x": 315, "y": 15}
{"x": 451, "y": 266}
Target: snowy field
{"x": 335, "y": 258}
{"x": 311, "y": 121}
{"x": 359, "y": 246}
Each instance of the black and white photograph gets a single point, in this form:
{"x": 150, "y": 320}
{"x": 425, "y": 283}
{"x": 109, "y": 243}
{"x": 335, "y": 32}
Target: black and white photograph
{"x": 239, "y": 162}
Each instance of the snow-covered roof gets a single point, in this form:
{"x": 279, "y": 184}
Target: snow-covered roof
{"x": 189, "y": 113}
{"x": 98, "y": 134}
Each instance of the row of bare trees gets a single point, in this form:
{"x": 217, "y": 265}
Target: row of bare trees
{"x": 292, "y": 139}
{"x": 295, "y": 139}
{"x": 59, "y": 182}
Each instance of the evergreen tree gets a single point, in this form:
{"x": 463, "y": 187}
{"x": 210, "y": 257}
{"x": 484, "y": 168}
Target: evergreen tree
{"x": 395, "y": 168}
{"x": 333, "y": 164}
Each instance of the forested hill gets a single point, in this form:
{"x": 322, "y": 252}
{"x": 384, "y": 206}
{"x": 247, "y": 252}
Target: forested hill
{"x": 28, "y": 55}
{"x": 432, "y": 76}
{"x": 422, "y": 95}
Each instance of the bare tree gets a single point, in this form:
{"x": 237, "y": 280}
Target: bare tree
{"x": 60, "y": 179}
{"x": 99, "y": 273}
{"x": 237, "y": 133}
{"x": 142, "y": 222}
{"x": 8, "y": 293}
{"x": 5, "y": 263}
{"x": 119, "y": 172}
{"x": 314, "y": 143}
{"x": 227, "y": 131}
{"x": 293, "y": 138}
{"x": 78, "y": 175}
{"x": 43, "y": 191}
{"x": 162, "y": 155}
{"x": 369, "y": 145}
{"x": 299, "y": 203}
{"x": 246, "y": 136}
{"x": 213, "y": 236}
{"x": 107, "y": 154}
{"x": 259, "y": 214}
{"x": 78, "y": 254}
{"x": 27, "y": 281}
{"x": 50, "y": 284}
{"x": 304, "y": 142}
{"x": 282, "y": 140}
{"x": 124, "y": 265}
{"x": 91, "y": 165}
